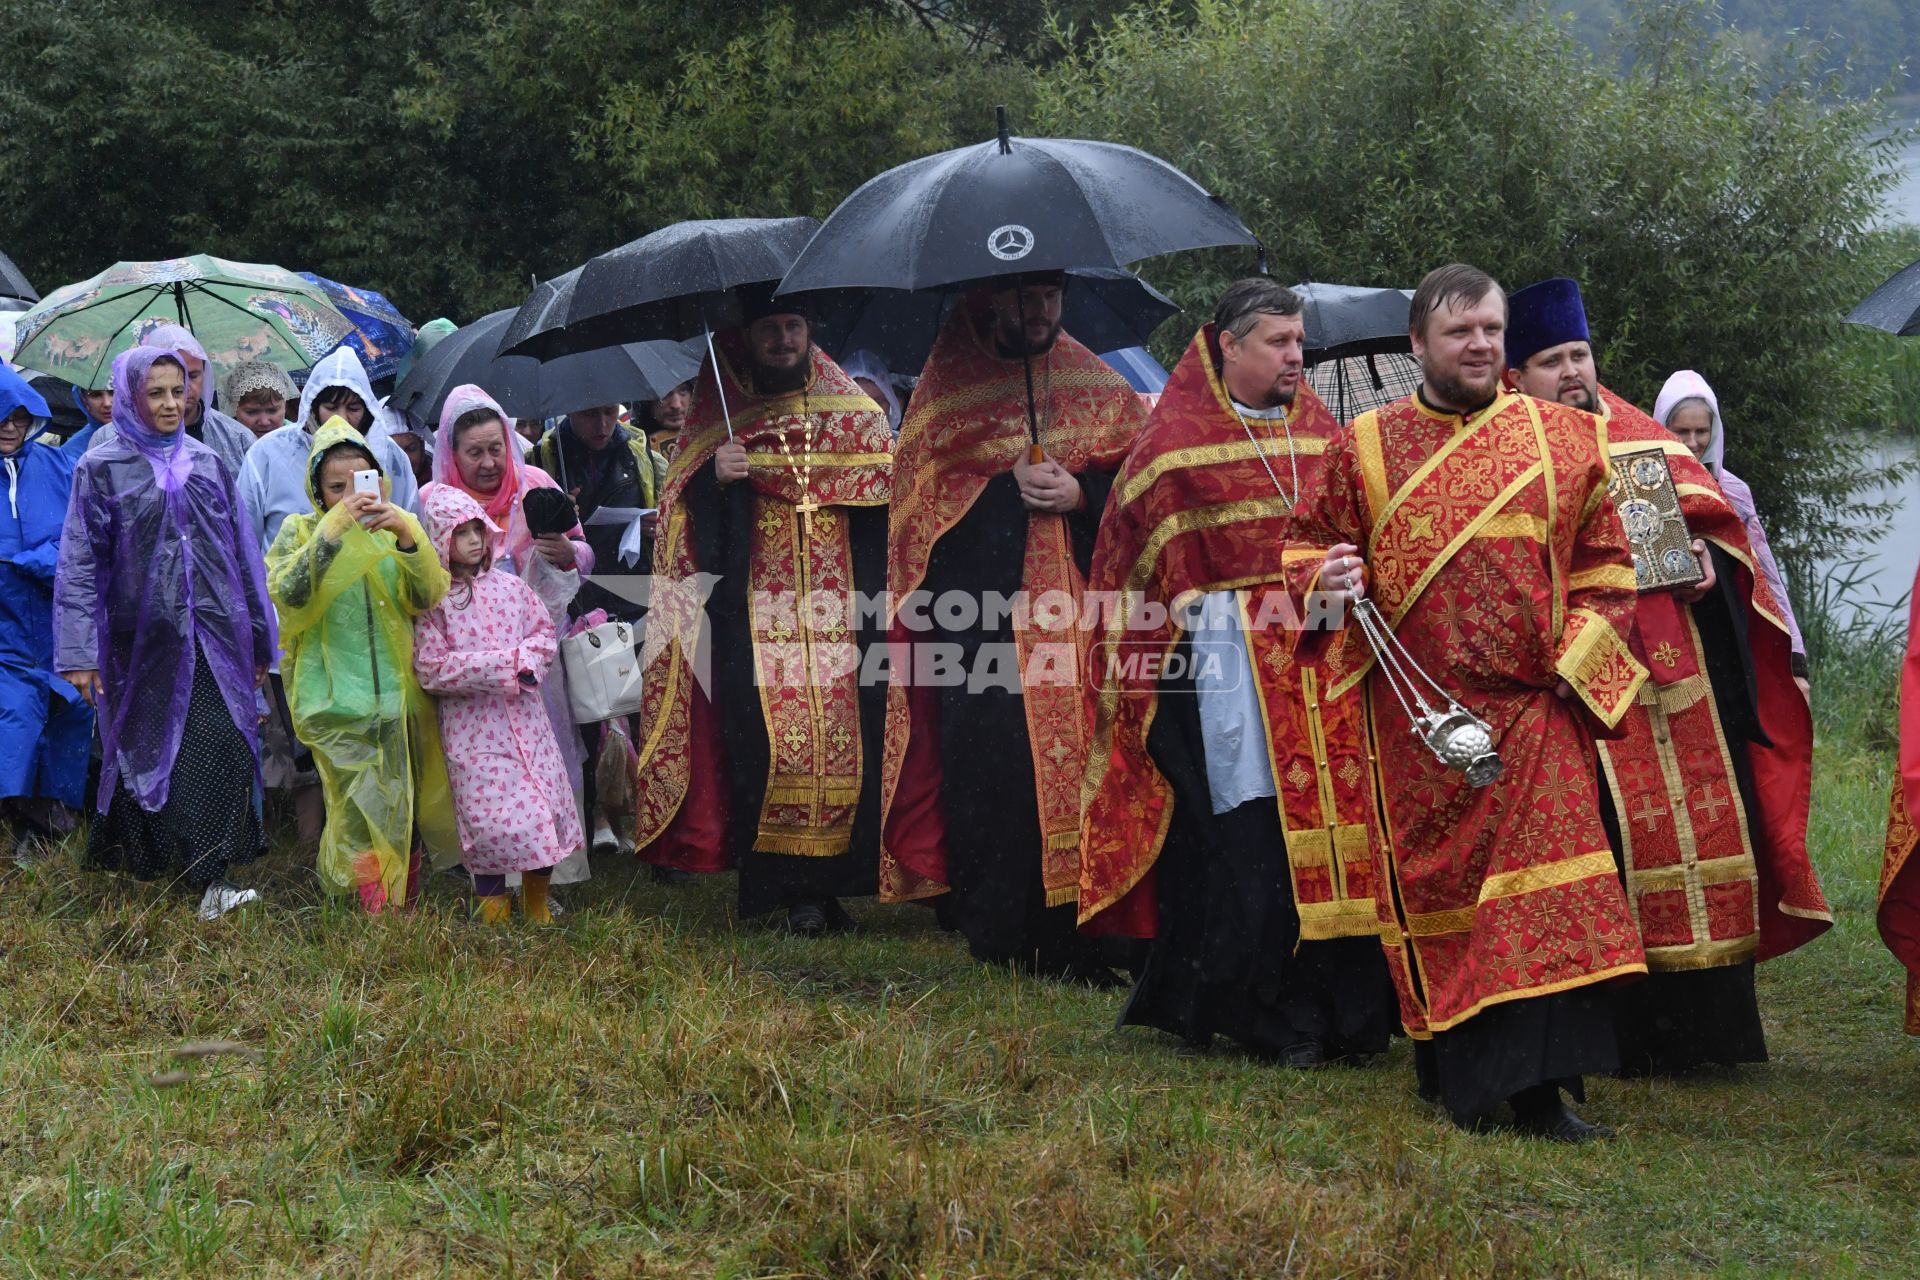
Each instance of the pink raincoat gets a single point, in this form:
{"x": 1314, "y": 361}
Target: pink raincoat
{"x": 513, "y": 550}
{"x": 512, "y": 801}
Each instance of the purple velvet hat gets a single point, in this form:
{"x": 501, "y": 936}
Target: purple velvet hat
{"x": 1544, "y": 315}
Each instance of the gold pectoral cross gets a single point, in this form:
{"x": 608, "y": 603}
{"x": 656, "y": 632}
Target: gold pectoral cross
{"x": 806, "y": 507}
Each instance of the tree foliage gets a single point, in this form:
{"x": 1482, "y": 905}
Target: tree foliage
{"x": 1717, "y": 211}
{"x": 446, "y": 152}
{"x": 1716, "y": 199}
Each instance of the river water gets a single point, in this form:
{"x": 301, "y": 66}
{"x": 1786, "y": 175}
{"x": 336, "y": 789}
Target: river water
{"x": 1889, "y": 561}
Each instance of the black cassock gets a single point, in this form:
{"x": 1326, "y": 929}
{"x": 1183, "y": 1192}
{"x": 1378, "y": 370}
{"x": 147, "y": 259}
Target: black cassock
{"x": 996, "y": 899}
{"x": 1228, "y": 959}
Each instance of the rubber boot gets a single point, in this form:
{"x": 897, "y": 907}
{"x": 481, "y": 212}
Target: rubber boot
{"x": 533, "y": 897}
{"x": 494, "y": 909}
{"x": 413, "y": 879}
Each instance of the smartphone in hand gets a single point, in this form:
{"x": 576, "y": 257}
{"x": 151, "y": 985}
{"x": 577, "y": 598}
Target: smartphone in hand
{"x": 367, "y": 482}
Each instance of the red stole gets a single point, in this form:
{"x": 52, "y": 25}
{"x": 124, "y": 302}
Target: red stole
{"x": 1194, "y": 511}
{"x": 966, "y": 425}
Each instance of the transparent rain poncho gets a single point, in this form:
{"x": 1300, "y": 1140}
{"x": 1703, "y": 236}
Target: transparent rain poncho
{"x": 347, "y": 600}
{"x": 157, "y": 558}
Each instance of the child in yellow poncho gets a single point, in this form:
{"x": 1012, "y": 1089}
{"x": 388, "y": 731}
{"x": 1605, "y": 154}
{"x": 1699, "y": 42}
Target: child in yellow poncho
{"x": 348, "y": 581}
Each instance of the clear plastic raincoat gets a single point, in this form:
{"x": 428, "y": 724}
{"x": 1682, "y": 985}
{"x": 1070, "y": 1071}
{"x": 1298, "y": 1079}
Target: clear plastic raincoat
{"x": 347, "y": 600}
{"x": 157, "y": 561}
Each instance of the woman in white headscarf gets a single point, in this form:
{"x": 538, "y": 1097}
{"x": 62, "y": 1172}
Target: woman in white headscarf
{"x": 1688, "y": 407}
{"x": 870, "y": 371}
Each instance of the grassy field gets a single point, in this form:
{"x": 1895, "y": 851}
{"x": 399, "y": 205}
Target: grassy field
{"x": 654, "y": 1090}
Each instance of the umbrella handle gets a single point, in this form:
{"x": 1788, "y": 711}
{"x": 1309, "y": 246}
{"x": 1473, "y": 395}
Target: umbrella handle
{"x": 1035, "y": 455}
{"x": 1026, "y": 367}
{"x": 718, "y": 384}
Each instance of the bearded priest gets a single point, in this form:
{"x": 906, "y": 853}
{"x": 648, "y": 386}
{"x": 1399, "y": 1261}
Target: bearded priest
{"x": 1705, "y": 790}
{"x": 1477, "y": 523}
{"x": 778, "y": 495}
{"x": 990, "y": 542}
{"x": 1230, "y": 814}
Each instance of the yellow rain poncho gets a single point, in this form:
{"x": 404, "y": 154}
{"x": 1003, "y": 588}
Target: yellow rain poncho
{"x": 347, "y": 599}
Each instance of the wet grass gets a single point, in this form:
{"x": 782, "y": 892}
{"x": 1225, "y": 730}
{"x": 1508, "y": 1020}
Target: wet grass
{"x": 653, "y": 1089}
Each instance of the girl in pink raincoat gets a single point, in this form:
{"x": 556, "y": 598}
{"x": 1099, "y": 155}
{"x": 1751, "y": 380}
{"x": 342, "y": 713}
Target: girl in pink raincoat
{"x": 485, "y": 651}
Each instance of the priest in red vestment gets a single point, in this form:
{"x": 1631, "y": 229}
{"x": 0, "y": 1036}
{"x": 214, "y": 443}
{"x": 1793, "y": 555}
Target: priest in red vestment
{"x": 988, "y": 554}
{"x": 1707, "y": 787}
{"x": 1477, "y": 521}
{"x": 1899, "y": 915}
{"x": 772, "y": 763}
{"x": 1230, "y": 812}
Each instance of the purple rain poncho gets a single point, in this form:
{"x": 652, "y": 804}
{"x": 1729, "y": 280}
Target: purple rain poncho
{"x": 157, "y": 558}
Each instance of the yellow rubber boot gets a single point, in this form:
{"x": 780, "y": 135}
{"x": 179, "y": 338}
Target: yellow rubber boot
{"x": 495, "y": 909}
{"x": 533, "y": 897}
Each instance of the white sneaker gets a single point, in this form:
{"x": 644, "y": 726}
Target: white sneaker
{"x": 223, "y": 896}
{"x": 606, "y": 841}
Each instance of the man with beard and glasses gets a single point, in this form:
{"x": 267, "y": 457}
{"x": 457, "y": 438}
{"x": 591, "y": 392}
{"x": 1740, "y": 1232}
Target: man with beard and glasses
{"x": 1478, "y": 523}
{"x": 988, "y": 552}
{"x": 778, "y": 774}
{"x": 1705, "y": 791}
{"x": 1230, "y": 814}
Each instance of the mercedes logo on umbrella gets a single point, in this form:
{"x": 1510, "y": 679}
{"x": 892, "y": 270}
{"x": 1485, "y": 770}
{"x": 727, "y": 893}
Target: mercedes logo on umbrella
{"x": 1010, "y": 243}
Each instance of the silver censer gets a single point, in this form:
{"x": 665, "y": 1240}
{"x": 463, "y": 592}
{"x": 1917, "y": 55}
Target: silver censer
{"x": 1458, "y": 738}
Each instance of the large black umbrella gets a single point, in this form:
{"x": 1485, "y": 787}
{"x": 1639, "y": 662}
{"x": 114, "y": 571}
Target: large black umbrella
{"x": 1007, "y": 208}
{"x": 675, "y": 283}
{"x": 1894, "y": 306}
{"x": 1010, "y": 206}
{"x": 529, "y": 388}
{"x": 1105, "y": 309}
{"x": 13, "y": 282}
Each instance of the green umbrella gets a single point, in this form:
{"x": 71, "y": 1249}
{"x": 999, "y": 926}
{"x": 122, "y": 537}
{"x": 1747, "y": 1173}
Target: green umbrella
{"x": 238, "y": 310}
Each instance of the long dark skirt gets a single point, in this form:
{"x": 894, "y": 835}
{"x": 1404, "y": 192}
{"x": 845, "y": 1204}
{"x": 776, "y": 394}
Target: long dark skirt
{"x": 1679, "y": 1021}
{"x": 1229, "y": 960}
{"x": 208, "y": 823}
{"x": 997, "y": 900}
{"x": 1522, "y": 1044}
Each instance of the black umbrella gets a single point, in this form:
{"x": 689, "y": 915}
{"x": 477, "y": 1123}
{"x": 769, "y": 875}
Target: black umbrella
{"x": 529, "y": 388}
{"x": 64, "y": 414}
{"x": 1105, "y": 309}
{"x": 1894, "y": 306}
{"x": 13, "y": 283}
{"x": 675, "y": 283}
{"x": 1353, "y": 320}
{"x": 1007, "y": 208}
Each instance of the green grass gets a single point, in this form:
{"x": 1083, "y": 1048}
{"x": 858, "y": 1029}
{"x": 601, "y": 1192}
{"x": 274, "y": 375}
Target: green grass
{"x": 652, "y": 1089}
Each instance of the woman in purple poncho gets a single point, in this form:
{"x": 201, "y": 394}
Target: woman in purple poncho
{"x": 161, "y": 619}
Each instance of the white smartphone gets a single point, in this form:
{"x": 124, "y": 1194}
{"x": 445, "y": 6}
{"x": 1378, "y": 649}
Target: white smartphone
{"x": 366, "y": 482}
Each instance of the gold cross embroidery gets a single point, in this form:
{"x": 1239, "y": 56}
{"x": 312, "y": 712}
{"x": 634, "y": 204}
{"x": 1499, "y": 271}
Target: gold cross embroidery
{"x": 1666, "y": 653}
{"x": 1711, "y": 799}
{"x": 1649, "y": 810}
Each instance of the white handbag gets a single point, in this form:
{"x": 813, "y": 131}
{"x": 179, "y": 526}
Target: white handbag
{"x": 603, "y": 672}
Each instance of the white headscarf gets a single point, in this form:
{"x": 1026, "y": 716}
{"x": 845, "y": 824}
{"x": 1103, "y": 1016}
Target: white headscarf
{"x": 1688, "y": 385}
{"x": 866, "y": 364}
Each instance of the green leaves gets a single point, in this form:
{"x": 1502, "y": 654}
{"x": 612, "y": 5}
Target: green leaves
{"x": 1719, "y": 212}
